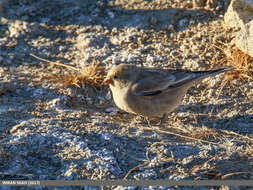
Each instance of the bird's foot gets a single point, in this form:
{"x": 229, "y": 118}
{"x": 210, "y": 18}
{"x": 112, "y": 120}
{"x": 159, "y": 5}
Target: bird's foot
{"x": 148, "y": 122}
{"x": 162, "y": 119}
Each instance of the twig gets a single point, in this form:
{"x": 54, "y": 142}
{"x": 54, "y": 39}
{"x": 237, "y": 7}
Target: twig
{"x": 15, "y": 143}
{"x": 135, "y": 168}
{"x": 234, "y": 133}
{"x": 217, "y": 47}
{"x": 147, "y": 152}
{"x": 55, "y": 63}
{"x": 187, "y": 137}
{"x": 223, "y": 84}
{"x": 235, "y": 173}
{"x": 182, "y": 136}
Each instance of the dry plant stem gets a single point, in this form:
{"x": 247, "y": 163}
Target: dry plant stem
{"x": 213, "y": 158}
{"x": 135, "y": 168}
{"x": 55, "y": 63}
{"x": 15, "y": 143}
{"x": 182, "y": 136}
{"x": 217, "y": 47}
{"x": 147, "y": 152}
{"x": 223, "y": 84}
{"x": 234, "y": 173}
{"x": 234, "y": 133}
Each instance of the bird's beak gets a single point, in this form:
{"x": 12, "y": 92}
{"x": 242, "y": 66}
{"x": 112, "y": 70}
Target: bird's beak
{"x": 107, "y": 81}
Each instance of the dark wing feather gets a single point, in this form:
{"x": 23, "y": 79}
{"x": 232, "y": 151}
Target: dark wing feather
{"x": 154, "y": 82}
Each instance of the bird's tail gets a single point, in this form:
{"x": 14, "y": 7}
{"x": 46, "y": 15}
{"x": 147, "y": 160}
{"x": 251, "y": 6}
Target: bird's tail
{"x": 205, "y": 74}
{"x": 196, "y": 76}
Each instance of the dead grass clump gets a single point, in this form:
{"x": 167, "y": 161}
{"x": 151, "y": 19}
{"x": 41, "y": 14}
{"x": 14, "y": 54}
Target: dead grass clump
{"x": 201, "y": 133}
{"x": 242, "y": 62}
{"x": 205, "y": 133}
{"x": 92, "y": 75}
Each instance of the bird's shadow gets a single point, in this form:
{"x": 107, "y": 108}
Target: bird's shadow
{"x": 208, "y": 115}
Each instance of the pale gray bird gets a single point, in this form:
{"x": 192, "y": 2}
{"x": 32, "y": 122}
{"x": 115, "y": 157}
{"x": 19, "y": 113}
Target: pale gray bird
{"x": 152, "y": 92}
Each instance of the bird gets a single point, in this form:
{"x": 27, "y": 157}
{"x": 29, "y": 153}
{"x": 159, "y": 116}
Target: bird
{"x": 152, "y": 92}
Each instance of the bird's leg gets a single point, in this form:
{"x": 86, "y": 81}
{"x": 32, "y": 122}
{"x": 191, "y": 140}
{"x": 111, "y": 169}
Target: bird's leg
{"x": 148, "y": 122}
{"x": 162, "y": 119}
{"x": 145, "y": 119}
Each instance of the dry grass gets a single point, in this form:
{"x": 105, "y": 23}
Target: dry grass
{"x": 242, "y": 62}
{"x": 93, "y": 75}
{"x": 202, "y": 133}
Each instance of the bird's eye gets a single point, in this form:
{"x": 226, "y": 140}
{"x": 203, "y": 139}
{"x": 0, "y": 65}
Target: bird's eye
{"x": 115, "y": 77}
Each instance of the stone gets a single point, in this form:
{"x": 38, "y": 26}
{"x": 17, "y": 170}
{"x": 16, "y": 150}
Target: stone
{"x": 239, "y": 13}
{"x": 244, "y": 39}
{"x": 240, "y": 16}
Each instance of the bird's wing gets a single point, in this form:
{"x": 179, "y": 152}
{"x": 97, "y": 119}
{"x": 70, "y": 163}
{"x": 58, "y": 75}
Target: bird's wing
{"x": 153, "y": 82}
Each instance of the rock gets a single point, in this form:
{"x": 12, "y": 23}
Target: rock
{"x": 239, "y": 13}
{"x": 244, "y": 39}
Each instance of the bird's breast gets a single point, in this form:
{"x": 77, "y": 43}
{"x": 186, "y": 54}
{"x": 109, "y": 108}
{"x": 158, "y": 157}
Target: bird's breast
{"x": 121, "y": 99}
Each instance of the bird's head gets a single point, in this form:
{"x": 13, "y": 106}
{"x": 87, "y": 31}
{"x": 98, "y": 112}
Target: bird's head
{"x": 121, "y": 74}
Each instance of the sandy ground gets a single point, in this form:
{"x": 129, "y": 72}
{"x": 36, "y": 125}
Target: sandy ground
{"x": 49, "y": 131}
